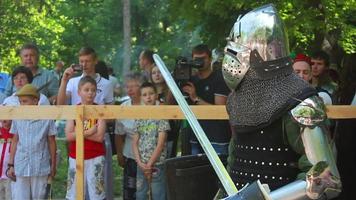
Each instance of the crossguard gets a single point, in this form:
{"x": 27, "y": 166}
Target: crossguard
{"x": 254, "y": 191}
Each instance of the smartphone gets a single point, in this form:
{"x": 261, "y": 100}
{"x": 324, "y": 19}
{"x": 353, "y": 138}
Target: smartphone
{"x": 77, "y": 67}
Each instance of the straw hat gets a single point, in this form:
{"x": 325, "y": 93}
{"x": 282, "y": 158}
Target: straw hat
{"x": 28, "y": 90}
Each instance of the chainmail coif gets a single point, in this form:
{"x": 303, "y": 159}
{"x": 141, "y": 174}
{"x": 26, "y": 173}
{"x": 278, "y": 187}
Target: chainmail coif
{"x": 256, "y": 103}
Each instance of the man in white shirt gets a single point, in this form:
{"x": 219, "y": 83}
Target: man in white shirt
{"x": 68, "y": 89}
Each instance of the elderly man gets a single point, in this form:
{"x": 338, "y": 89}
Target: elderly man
{"x": 43, "y": 79}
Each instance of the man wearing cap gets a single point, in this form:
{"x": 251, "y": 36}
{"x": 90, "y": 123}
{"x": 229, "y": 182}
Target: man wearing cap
{"x": 33, "y": 151}
{"x": 302, "y": 66}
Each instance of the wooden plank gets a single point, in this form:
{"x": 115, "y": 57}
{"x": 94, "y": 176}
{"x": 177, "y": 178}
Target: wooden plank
{"x": 341, "y": 112}
{"x": 154, "y": 112}
{"x": 201, "y": 112}
{"x": 138, "y": 112}
{"x": 79, "y": 132}
{"x": 37, "y": 112}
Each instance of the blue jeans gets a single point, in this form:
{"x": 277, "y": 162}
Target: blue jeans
{"x": 219, "y": 148}
{"x": 129, "y": 184}
{"x": 158, "y": 184}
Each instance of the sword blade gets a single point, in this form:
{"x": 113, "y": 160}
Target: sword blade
{"x": 214, "y": 159}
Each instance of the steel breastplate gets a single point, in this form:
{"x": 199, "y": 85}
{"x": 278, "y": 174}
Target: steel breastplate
{"x": 263, "y": 155}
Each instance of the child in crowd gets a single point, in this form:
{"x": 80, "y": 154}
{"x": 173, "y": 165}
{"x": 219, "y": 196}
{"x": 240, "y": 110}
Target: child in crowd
{"x": 94, "y": 150}
{"x": 165, "y": 97}
{"x": 5, "y": 141}
{"x": 33, "y": 151}
{"x": 149, "y": 148}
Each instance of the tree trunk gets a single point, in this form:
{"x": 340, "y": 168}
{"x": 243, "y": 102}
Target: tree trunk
{"x": 127, "y": 36}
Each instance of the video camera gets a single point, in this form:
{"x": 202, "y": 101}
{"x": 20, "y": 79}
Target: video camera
{"x": 183, "y": 70}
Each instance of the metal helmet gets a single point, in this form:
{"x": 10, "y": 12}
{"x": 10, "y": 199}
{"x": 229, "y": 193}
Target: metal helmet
{"x": 257, "y": 39}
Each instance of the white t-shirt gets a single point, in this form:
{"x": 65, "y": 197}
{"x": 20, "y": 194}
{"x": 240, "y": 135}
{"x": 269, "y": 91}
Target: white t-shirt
{"x": 126, "y": 127}
{"x": 104, "y": 93}
{"x": 114, "y": 81}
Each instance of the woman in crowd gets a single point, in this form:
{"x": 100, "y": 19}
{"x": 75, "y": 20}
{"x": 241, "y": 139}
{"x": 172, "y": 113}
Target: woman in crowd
{"x": 166, "y": 97}
{"x": 160, "y": 84}
{"x": 20, "y": 77}
{"x": 124, "y": 134}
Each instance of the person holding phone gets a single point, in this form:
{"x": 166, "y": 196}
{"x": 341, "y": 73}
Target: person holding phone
{"x": 68, "y": 90}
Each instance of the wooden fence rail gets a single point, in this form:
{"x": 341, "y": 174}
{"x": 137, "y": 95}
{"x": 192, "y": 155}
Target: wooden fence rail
{"x": 81, "y": 112}
{"x": 138, "y": 112}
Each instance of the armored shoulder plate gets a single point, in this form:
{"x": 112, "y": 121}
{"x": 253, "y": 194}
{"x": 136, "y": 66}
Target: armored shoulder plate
{"x": 309, "y": 112}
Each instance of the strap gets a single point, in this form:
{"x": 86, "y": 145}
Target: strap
{"x": 2, "y": 156}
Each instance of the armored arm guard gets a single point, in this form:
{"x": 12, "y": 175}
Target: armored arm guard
{"x": 323, "y": 179}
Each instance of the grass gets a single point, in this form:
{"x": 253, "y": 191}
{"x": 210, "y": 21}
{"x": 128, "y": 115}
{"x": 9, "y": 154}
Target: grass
{"x": 59, "y": 185}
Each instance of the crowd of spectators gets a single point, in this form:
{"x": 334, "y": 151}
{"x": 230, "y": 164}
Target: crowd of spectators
{"x": 141, "y": 145}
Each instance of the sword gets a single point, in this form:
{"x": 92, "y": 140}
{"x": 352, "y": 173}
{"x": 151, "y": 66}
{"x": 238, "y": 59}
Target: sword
{"x": 214, "y": 159}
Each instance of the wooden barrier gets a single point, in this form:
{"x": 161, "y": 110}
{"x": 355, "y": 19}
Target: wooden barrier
{"x": 81, "y": 112}
{"x": 79, "y": 146}
{"x": 138, "y": 112}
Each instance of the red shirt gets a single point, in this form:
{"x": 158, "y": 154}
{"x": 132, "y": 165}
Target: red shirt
{"x": 92, "y": 149}
{"x": 5, "y": 134}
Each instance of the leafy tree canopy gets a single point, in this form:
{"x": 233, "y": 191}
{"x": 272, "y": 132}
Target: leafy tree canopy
{"x": 307, "y": 22}
{"x": 170, "y": 27}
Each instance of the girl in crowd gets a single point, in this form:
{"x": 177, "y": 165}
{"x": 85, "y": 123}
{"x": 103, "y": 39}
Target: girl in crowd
{"x": 166, "y": 97}
{"x": 160, "y": 84}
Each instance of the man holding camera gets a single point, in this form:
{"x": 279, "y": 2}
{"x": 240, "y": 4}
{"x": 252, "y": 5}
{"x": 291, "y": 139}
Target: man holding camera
{"x": 68, "y": 89}
{"x": 207, "y": 87}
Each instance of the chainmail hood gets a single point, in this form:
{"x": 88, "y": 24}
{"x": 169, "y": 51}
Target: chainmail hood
{"x": 258, "y": 101}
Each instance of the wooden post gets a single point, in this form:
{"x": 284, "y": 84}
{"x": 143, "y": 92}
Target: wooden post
{"x": 79, "y": 138}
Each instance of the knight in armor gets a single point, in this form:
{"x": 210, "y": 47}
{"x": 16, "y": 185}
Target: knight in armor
{"x": 279, "y": 138}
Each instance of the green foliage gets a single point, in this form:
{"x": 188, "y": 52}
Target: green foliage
{"x": 24, "y": 22}
{"x": 155, "y": 29}
{"x": 170, "y": 27}
{"x": 307, "y": 22}
{"x": 59, "y": 28}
